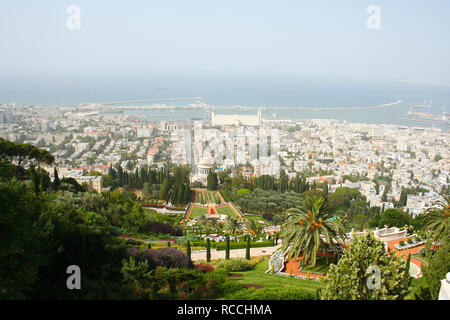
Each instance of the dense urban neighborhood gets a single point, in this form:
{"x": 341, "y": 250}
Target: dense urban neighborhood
{"x": 236, "y": 206}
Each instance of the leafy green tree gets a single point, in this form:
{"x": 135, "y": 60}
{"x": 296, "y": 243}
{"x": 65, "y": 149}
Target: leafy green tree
{"x": 212, "y": 181}
{"x": 222, "y": 176}
{"x": 147, "y": 190}
{"x": 311, "y": 228}
{"x": 20, "y": 241}
{"x": 394, "y": 218}
{"x": 94, "y": 173}
{"x": 352, "y": 279}
{"x": 136, "y": 220}
{"x": 343, "y": 197}
{"x": 164, "y": 190}
{"x": 44, "y": 180}
{"x": 360, "y": 221}
{"x": 135, "y": 271}
{"x": 438, "y": 157}
{"x": 428, "y": 286}
{"x": 34, "y": 178}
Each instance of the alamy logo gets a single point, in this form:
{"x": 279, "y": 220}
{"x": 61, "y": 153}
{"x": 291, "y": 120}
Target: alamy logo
{"x": 374, "y": 20}
{"x": 74, "y": 280}
{"x": 374, "y": 281}
{"x": 74, "y": 18}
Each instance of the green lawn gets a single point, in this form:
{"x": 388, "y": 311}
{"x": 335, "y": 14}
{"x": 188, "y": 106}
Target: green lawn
{"x": 258, "y": 276}
{"x": 196, "y": 211}
{"x": 321, "y": 265}
{"x": 256, "y": 218}
{"x": 227, "y": 211}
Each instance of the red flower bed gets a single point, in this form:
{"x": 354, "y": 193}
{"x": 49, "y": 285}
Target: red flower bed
{"x": 204, "y": 267}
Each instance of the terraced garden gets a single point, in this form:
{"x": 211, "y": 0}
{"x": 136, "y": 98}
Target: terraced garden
{"x": 227, "y": 211}
{"x": 208, "y": 197}
{"x": 197, "y": 211}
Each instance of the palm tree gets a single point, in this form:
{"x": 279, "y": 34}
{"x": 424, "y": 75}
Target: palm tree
{"x": 311, "y": 228}
{"x": 203, "y": 222}
{"x": 233, "y": 226}
{"x": 253, "y": 226}
{"x": 436, "y": 220}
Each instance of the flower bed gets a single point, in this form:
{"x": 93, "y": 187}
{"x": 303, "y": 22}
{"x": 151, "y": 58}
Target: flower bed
{"x": 405, "y": 245}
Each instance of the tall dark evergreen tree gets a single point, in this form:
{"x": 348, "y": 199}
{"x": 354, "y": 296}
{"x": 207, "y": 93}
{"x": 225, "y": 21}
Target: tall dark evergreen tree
{"x": 247, "y": 249}
{"x": 34, "y": 178}
{"x": 227, "y": 249}
{"x": 188, "y": 249}
{"x": 56, "y": 181}
{"x": 208, "y": 250}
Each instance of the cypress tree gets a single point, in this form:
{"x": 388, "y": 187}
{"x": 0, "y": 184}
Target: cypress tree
{"x": 187, "y": 193}
{"x": 168, "y": 244}
{"x": 120, "y": 175}
{"x": 247, "y": 250}
{"x": 188, "y": 249}
{"x": 408, "y": 265}
{"x": 208, "y": 250}
{"x": 180, "y": 195}
{"x": 215, "y": 181}
{"x": 227, "y": 249}
{"x": 209, "y": 181}
{"x": 174, "y": 195}
{"x": 56, "y": 180}
{"x": 34, "y": 178}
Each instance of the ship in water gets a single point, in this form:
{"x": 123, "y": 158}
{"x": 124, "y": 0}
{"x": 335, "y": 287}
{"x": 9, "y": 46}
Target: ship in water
{"x": 422, "y": 113}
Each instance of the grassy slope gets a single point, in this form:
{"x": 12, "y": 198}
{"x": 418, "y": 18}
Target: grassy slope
{"x": 258, "y": 276}
{"x": 321, "y": 265}
{"x": 196, "y": 211}
{"x": 256, "y": 218}
{"x": 228, "y": 211}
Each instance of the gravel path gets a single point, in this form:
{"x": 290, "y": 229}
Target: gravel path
{"x": 236, "y": 253}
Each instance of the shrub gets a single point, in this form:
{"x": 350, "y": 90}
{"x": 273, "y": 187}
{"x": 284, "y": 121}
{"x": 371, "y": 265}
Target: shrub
{"x": 204, "y": 267}
{"x": 234, "y": 265}
{"x": 132, "y": 242}
{"x": 268, "y": 216}
{"x": 401, "y": 243}
{"x": 186, "y": 238}
{"x": 272, "y": 294}
{"x": 417, "y": 239}
{"x": 165, "y": 257}
{"x": 410, "y": 241}
{"x": 164, "y": 228}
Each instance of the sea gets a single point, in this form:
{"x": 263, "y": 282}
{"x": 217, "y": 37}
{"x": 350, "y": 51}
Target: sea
{"x": 289, "y": 93}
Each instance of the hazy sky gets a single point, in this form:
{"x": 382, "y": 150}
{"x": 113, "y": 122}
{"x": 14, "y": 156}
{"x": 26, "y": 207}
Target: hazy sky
{"x": 211, "y": 37}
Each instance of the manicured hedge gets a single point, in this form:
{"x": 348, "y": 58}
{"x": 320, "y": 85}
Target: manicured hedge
{"x": 236, "y": 265}
{"x": 272, "y": 294}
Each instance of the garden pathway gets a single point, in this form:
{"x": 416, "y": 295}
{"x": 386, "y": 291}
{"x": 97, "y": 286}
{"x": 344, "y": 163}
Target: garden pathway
{"x": 406, "y": 252}
{"x": 235, "y": 253}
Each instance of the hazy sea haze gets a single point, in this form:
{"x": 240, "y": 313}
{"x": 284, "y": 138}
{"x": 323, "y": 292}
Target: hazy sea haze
{"x": 244, "y": 91}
